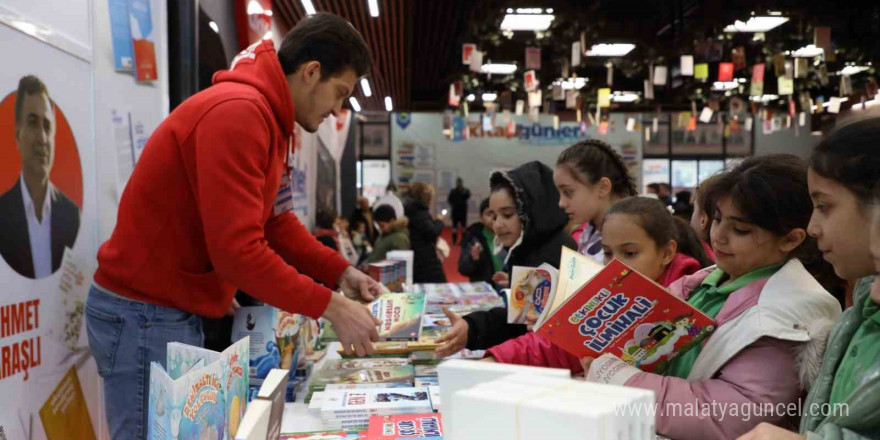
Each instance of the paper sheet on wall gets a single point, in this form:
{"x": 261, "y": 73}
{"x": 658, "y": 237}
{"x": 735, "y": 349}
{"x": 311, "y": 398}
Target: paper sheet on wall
{"x": 424, "y": 156}
{"x": 125, "y": 155}
{"x": 687, "y": 65}
{"x": 660, "y": 73}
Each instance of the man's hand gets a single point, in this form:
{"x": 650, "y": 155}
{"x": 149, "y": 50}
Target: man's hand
{"x": 476, "y": 251}
{"x": 354, "y": 325}
{"x": 358, "y": 286}
{"x": 766, "y": 431}
{"x": 501, "y": 279}
{"x": 454, "y": 340}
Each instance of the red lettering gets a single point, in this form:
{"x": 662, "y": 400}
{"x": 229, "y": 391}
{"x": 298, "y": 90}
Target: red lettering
{"x": 7, "y": 367}
{"x": 36, "y": 313}
{"x": 17, "y": 318}
{"x": 5, "y": 328}
{"x": 16, "y": 360}
{"x": 26, "y": 349}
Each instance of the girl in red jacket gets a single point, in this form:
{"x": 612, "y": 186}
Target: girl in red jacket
{"x": 641, "y": 233}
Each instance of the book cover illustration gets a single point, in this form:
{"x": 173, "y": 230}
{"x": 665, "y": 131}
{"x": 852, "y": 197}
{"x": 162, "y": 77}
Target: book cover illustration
{"x": 144, "y": 48}
{"x": 439, "y": 293}
{"x": 529, "y": 293}
{"x": 397, "y": 371}
{"x": 120, "y": 32}
{"x": 425, "y": 426}
{"x": 622, "y": 312}
{"x": 367, "y": 401}
{"x": 400, "y": 314}
{"x": 65, "y": 413}
{"x": 287, "y": 330}
{"x": 203, "y": 394}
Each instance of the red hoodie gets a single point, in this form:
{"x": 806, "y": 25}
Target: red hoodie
{"x": 197, "y": 219}
{"x": 532, "y": 349}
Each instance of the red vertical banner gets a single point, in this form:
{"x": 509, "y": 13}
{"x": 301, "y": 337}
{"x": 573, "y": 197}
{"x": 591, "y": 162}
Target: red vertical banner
{"x": 253, "y": 18}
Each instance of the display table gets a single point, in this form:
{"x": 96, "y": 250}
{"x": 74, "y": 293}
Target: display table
{"x": 297, "y": 417}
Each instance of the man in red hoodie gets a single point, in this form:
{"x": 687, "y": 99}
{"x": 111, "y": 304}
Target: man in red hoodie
{"x": 207, "y": 211}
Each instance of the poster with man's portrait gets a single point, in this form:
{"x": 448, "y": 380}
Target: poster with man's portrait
{"x": 41, "y": 189}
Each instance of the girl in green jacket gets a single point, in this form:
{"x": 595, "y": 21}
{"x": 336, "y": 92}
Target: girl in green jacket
{"x": 844, "y": 401}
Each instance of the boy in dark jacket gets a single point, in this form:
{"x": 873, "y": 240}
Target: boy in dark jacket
{"x": 395, "y": 236}
{"x": 477, "y": 260}
{"x": 530, "y": 226}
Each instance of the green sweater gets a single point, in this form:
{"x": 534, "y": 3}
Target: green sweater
{"x": 861, "y": 419}
{"x": 397, "y": 239}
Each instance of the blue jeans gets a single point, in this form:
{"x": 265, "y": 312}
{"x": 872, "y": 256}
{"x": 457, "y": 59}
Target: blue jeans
{"x": 125, "y": 336}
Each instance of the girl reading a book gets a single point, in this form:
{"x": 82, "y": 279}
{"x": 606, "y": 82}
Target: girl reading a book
{"x": 844, "y": 175}
{"x": 590, "y": 177}
{"x": 530, "y": 228}
{"x": 772, "y": 315}
{"x": 642, "y": 234}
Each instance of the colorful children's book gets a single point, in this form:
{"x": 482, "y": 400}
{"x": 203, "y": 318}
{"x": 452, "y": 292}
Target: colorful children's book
{"x": 529, "y": 293}
{"x": 385, "y": 401}
{"x": 622, "y": 312}
{"x": 203, "y": 393}
{"x": 574, "y": 271}
{"x": 390, "y": 371}
{"x": 400, "y": 314}
{"x": 274, "y": 336}
{"x": 424, "y": 426}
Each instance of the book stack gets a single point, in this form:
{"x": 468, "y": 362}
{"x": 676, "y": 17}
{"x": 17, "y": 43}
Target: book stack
{"x": 352, "y": 409}
{"x": 426, "y": 375}
{"x": 390, "y": 372}
{"x": 424, "y": 426}
{"x": 407, "y": 257}
{"x": 202, "y": 392}
{"x": 390, "y": 273}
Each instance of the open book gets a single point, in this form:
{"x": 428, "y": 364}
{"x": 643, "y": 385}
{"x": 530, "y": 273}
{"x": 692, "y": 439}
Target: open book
{"x": 202, "y": 394}
{"x": 620, "y": 311}
{"x": 530, "y": 292}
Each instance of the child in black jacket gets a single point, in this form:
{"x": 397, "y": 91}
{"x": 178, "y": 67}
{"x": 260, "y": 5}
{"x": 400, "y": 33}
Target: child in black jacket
{"x": 530, "y": 226}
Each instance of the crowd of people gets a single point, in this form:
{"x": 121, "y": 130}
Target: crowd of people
{"x": 771, "y": 241}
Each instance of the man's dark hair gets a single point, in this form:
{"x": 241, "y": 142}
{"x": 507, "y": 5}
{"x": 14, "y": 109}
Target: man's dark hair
{"x": 28, "y": 85}
{"x": 329, "y": 40}
{"x": 325, "y": 218}
{"x": 384, "y": 213}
